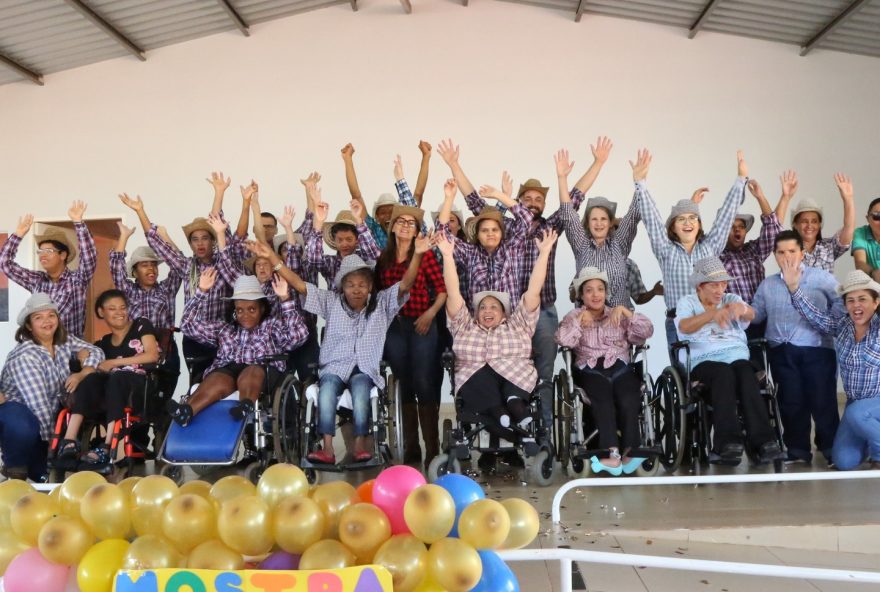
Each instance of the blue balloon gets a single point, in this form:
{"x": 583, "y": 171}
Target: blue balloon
{"x": 497, "y": 576}
{"x": 464, "y": 492}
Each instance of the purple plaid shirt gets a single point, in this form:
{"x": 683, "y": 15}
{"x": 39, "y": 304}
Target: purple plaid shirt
{"x": 69, "y": 292}
{"x": 156, "y": 304}
{"x": 328, "y": 265}
{"x": 824, "y": 254}
{"x": 747, "y": 264}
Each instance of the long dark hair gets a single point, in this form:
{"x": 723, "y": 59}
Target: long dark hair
{"x": 388, "y": 258}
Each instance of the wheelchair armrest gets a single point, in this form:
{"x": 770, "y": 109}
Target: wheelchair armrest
{"x": 383, "y": 365}
{"x": 448, "y": 359}
{"x": 683, "y": 344}
{"x": 198, "y": 360}
{"x": 273, "y": 358}
{"x": 641, "y": 348}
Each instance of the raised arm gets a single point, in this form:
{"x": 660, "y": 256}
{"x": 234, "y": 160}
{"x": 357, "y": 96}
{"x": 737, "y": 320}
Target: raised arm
{"x": 350, "y": 176}
{"x": 454, "y": 299}
{"x": 657, "y": 235}
{"x": 166, "y": 250}
{"x": 820, "y": 320}
{"x": 450, "y": 153}
{"x": 532, "y": 295}
{"x": 717, "y": 237}
{"x": 220, "y": 185}
{"x": 422, "y": 246}
{"x": 291, "y": 277}
{"x": 247, "y": 195}
{"x": 844, "y": 186}
{"x": 422, "y": 180}
{"x": 503, "y": 195}
{"x": 193, "y": 321}
{"x": 124, "y": 234}
{"x": 367, "y": 246}
{"x": 563, "y": 168}
{"x": 88, "y": 254}
{"x": 601, "y": 150}
{"x": 404, "y": 195}
{"x": 137, "y": 206}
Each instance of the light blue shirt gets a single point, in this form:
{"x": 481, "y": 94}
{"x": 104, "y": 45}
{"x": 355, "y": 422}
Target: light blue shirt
{"x": 712, "y": 342}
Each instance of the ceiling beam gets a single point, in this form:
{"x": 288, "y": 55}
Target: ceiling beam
{"x": 109, "y": 29}
{"x": 711, "y": 5}
{"x": 354, "y": 5}
{"x": 235, "y": 17}
{"x": 21, "y": 70}
{"x": 841, "y": 18}
{"x": 407, "y": 6}
{"x": 582, "y": 6}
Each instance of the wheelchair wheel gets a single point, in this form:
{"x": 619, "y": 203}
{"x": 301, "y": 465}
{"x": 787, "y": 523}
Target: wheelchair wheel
{"x": 254, "y": 471}
{"x": 285, "y": 421}
{"x": 669, "y": 418}
{"x": 649, "y": 468}
{"x": 564, "y": 417}
{"x": 394, "y": 420}
{"x": 542, "y": 468}
{"x": 440, "y": 466}
{"x": 578, "y": 468}
{"x": 175, "y": 473}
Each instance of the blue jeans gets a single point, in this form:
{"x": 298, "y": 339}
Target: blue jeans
{"x": 413, "y": 359}
{"x": 544, "y": 354}
{"x": 20, "y": 440}
{"x": 858, "y": 435}
{"x": 330, "y": 388}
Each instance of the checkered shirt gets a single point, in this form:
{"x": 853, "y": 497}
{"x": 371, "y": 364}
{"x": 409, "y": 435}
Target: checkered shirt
{"x": 405, "y": 197}
{"x": 156, "y": 304}
{"x": 825, "y": 253}
{"x": 316, "y": 261}
{"x": 747, "y": 264}
{"x": 635, "y": 287}
{"x": 602, "y": 339}
{"x": 69, "y": 292}
{"x": 429, "y": 283}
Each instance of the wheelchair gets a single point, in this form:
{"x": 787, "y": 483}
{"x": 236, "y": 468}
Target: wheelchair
{"x": 473, "y": 432}
{"x": 685, "y": 406}
{"x": 575, "y": 434}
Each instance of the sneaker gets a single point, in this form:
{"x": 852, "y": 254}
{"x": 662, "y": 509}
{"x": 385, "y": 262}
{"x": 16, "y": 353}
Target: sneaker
{"x": 770, "y": 451}
{"x": 181, "y": 413}
{"x": 731, "y": 454}
{"x": 244, "y": 408}
{"x": 322, "y": 456}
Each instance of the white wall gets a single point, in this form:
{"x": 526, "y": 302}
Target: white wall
{"x": 511, "y": 83}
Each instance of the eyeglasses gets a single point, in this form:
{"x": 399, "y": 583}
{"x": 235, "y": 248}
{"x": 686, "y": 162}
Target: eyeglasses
{"x": 875, "y": 216}
{"x": 683, "y": 219}
{"x": 406, "y": 223}
{"x": 47, "y": 251}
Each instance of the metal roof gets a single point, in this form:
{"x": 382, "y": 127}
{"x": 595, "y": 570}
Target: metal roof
{"x": 39, "y": 37}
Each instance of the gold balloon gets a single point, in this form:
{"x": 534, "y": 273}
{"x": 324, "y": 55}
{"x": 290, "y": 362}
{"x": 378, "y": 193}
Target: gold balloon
{"x": 524, "y": 523}
{"x": 74, "y": 489}
{"x": 280, "y": 481}
{"x": 10, "y": 546}
{"x": 406, "y": 557}
{"x": 429, "y": 512}
{"x": 106, "y": 510}
{"x": 188, "y": 521}
{"x": 245, "y": 525}
{"x": 64, "y": 540}
{"x": 484, "y": 524}
{"x": 55, "y": 494}
{"x": 297, "y": 523}
{"x": 363, "y": 528}
{"x": 332, "y": 498}
{"x": 214, "y": 554}
{"x": 30, "y": 513}
{"x": 429, "y": 584}
{"x": 98, "y": 567}
{"x": 128, "y": 484}
{"x": 11, "y": 491}
{"x": 151, "y": 552}
{"x": 454, "y": 565}
{"x": 149, "y": 496}
{"x": 231, "y": 487}
{"x": 327, "y": 554}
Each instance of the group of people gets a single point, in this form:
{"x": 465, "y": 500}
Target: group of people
{"x": 403, "y": 285}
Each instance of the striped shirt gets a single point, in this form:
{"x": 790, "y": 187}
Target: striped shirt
{"x": 746, "y": 265}
{"x": 156, "y": 304}
{"x": 316, "y": 261}
{"x": 602, "y": 338}
{"x": 825, "y": 252}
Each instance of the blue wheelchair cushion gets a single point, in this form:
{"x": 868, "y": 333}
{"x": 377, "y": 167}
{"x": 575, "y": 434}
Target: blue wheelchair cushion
{"x": 212, "y": 436}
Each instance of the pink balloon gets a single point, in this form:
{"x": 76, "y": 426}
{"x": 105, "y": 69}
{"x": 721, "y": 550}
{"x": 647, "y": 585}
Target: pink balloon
{"x": 30, "y": 571}
{"x": 390, "y": 491}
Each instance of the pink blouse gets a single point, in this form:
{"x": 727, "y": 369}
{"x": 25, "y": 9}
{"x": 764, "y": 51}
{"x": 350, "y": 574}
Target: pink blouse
{"x": 602, "y": 338}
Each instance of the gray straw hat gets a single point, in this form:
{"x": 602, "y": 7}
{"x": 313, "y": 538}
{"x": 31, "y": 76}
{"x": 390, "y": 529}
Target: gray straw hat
{"x": 806, "y": 205}
{"x": 38, "y": 302}
{"x": 455, "y": 212}
{"x": 747, "y": 219}
{"x": 586, "y": 274}
{"x": 246, "y": 287}
{"x": 858, "y": 280}
{"x": 280, "y": 239}
{"x": 386, "y": 199}
{"x": 502, "y": 297}
{"x": 601, "y": 202}
{"x": 349, "y": 264}
{"x": 684, "y": 206}
{"x": 709, "y": 269}
{"x": 140, "y": 255}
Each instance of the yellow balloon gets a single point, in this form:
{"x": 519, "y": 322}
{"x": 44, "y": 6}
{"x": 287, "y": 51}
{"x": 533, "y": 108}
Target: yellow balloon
{"x": 98, "y": 567}
{"x": 363, "y": 528}
{"x": 429, "y": 512}
{"x": 197, "y": 487}
{"x": 128, "y": 484}
{"x": 64, "y": 540}
{"x": 11, "y": 491}
{"x": 406, "y": 557}
{"x": 245, "y": 525}
{"x": 281, "y": 481}
{"x": 30, "y": 513}
{"x": 74, "y": 489}
{"x": 524, "y": 523}
{"x": 151, "y": 552}
{"x": 454, "y": 565}
{"x": 10, "y": 546}
{"x": 484, "y": 524}
{"x": 106, "y": 510}
{"x": 214, "y": 554}
{"x": 55, "y": 494}
{"x": 429, "y": 585}
{"x": 297, "y": 523}
{"x": 231, "y": 487}
{"x": 332, "y": 498}
{"x": 327, "y": 554}
{"x": 149, "y": 496}
{"x": 188, "y": 521}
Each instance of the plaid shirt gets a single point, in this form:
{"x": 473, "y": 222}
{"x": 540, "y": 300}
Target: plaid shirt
{"x": 328, "y": 265}
{"x": 351, "y": 338}
{"x": 237, "y": 345}
{"x": 507, "y": 348}
{"x": 746, "y": 265}
{"x": 34, "y": 378}
{"x": 404, "y": 196}
{"x": 156, "y": 304}
{"x": 825, "y": 253}
{"x": 859, "y": 361}
{"x": 675, "y": 262}
{"x": 635, "y": 287}
{"x": 69, "y": 292}
{"x": 429, "y": 283}
{"x": 602, "y": 338}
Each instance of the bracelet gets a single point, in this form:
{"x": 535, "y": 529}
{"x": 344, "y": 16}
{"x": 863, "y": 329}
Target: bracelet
{"x": 278, "y": 266}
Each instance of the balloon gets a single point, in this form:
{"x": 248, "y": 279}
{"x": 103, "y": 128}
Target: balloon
{"x": 280, "y": 560}
{"x": 390, "y": 491}
{"x": 128, "y": 484}
{"x": 406, "y": 557}
{"x": 484, "y": 524}
{"x": 524, "y": 523}
{"x": 230, "y": 487}
{"x": 199, "y": 488}
{"x": 30, "y": 513}
{"x": 55, "y": 494}
{"x": 280, "y": 481}
{"x": 30, "y": 571}
{"x": 11, "y": 491}
{"x": 214, "y": 554}
{"x": 98, "y": 567}
{"x": 245, "y": 525}
{"x": 363, "y": 528}
{"x": 332, "y": 498}
{"x": 64, "y": 540}
{"x": 327, "y": 554}
{"x": 75, "y": 488}
{"x": 463, "y": 490}
{"x": 454, "y": 565}
{"x": 429, "y": 513}
{"x": 297, "y": 523}
{"x": 188, "y": 521}
{"x": 106, "y": 510}
{"x": 497, "y": 575}
{"x": 151, "y": 551}
{"x": 429, "y": 584}
{"x": 10, "y": 546}
{"x": 149, "y": 496}
{"x": 365, "y": 491}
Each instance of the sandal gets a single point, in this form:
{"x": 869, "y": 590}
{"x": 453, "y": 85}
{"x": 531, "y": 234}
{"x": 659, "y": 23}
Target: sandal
{"x": 363, "y": 456}
{"x": 244, "y": 408}
{"x": 181, "y": 413}
{"x": 99, "y": 455}
{"x": 597, "y": 466}
{"x": 322, "y": 456}
{"x": 67, "y": 449}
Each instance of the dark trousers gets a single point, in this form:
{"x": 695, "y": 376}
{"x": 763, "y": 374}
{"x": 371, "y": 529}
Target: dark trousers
{"x": 487, "y": 392}
{"x": 615, "y": 401}
{"x": 304, "y": 359}
{"x": 727, "y": 385}
{"x": 106, "y": 395}
{"x": 807, "y": 381}
{"x": 414, "y": 359}
{"x": 201, "y": 354}
{"x": 170, "y": 370}
{"x": 23, "y": 450}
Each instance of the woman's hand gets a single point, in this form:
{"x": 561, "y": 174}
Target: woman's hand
{"x": 423, "y": 323}
{"x": 618, "y": 313}
{"x": 281, "y": 288}
{"x": 73, "y": 380}
{"x": 423, "y": 243}
{"x": 218, "y": 182}
{"x": 449, "y": 189}
{"x": 546, "y": 241}
{"x": 135, "y": 203}
{"x": 76, "y": 211}
{"x": 444, "y": 244}
{"x": 641, "y": 165}
{"x": 563, "y": 165}
{"x": 217, "y": 223}
{"x": 24, "y": 225}
{"x": 106, "y": 366}
{"x": 207, "y": 279}
{"x": 602, "y": 150}
{"x": 124, "y": 231}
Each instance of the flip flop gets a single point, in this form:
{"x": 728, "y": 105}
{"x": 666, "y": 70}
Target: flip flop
{"x": 598, "y": 467}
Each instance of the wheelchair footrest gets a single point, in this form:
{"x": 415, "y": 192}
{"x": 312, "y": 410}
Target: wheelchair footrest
{"x": 213, "y": 436}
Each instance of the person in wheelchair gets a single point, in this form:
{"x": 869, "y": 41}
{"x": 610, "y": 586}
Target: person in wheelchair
{"x": 714, "y": 322}
{"x": 251, "y": 335}
{"x": 600, "y": 337}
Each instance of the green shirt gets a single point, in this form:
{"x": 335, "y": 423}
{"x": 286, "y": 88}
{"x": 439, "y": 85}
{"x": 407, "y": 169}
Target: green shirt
{"x": 863, "y": 240}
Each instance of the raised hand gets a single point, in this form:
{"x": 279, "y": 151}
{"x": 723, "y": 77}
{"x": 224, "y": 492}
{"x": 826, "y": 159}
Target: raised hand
{"x": 217, "y": 223}
{"x": 442, "y": 242}
{"x": 258, "y": 248}
{"x": 489, "y": 192}
{"x": 287, "y": 217}
{"x": 24, "y": 225}
{"x": 742, "y": 167}
{"x": 347, "y": 151}
{"x": 124, "y": 231}
{"x": 756, "y": 191}
{"x": 250, "y": 191}
{"x": 641, "y": 165}
{"x": 722, "y": 317}
{"x": 789, "y": 182}
{"x": 737, "y": 310}
{"x": 618, "y": 313}
{"x": 791, "y": 273}
{"x": 563, "y": 165}
{"x": 449, "y": 152}
{"x": 424, "y": 148}
{"x": 357, "y": 210}
{"x": 545, "y": 242}
{"x": 163, "y": 234}
{"x": 313, "y": 179}
{"x": 449, "y": 189}
{"x": 207, "y": 279}
{"x": 844, "y": 185}
{"x": 281, "y": 288}
{"x": 76, "y": 211}
{"x": 699, "y": 194}
{"x": 602, "y": 149}
{"x": 506, "y": 184}
{"x": 322, "y": 208}
{"x": 398, "y": 168}
{"x": 134, "y": 203}
{"x": 423, "y": 242}
{"x": 218, "y": 182}
{"x": 586, "y": 318}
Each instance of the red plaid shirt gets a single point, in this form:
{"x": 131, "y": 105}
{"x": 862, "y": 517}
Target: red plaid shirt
{"x": 429, "y": 283}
